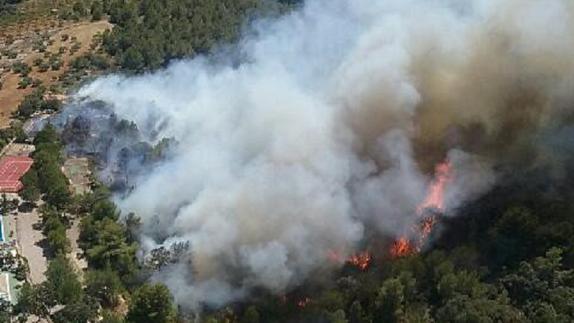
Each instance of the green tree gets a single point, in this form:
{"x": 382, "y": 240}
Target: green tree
{"x": 151, "y": 303}
{"x": 77, "y": 312}
{"x": 512, "y": 235}
{"x": 47, "y": 135}
{"x": 132, "y": 59}
{"x": 79, "y": 8}
{"x": 464, "y": 309}
{"x": 97, "y": 10}
{"x": 54, "y": 229}
{"x": 62, "y": 279}
{"x": 47, "y": 159}
{"x": 542, "y": 288}
{"x": 337, "y": 317}
{"x": 357, "y": 313}
{"x": 33, "y": 300}
{"x": 105, "y": 245}
{"x": 251, "y": 315}
{"x": 58, "y": 241}
{"x": 111, "y": 317}
{"x": 139, "y": 43}
{"x": 399, "y": 301}
{"x": 31, "y": 191}
{"x": 105, "y": 286}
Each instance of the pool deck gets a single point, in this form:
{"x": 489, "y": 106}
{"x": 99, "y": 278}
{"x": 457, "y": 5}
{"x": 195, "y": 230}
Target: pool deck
{"x": 8, "y": 284}
{"x": 5, "y": 289}
{"x": 1, "y": 229}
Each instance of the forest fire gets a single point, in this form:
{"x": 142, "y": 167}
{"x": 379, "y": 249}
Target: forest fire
{"x": 426, "y": 212}
{"x": 433, "y": 201}
{"x": 435, "y": 196}
{"x": 360, "y": 260}
{"x": 401, "y": 247}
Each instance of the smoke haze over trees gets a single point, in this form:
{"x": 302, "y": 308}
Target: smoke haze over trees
{"x": 330, "y": 125}
{"x": 258, "y": 168}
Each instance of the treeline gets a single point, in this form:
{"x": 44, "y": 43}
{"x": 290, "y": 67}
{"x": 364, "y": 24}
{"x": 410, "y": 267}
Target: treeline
{"x": 13, "y": 133}
{"x": 114, "y": 278}
{"x": 65, "y": 298}
{"x": 149, "y": 33}
{"x": 36, "y": 102}
{"x": 46, "y": 177}
{"x": 437, "y": 287}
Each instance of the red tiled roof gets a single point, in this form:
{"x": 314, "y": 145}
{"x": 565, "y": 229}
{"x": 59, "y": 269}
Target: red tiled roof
{"x": 12, "y": 168}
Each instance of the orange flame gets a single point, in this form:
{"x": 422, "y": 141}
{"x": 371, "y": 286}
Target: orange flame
{"x": 361, "y": 260}
{"x": 434, "y": 200}
{"x": 435, "y": 196}
{"x": 402, "y": 247}
{"x": 426, "y": 226}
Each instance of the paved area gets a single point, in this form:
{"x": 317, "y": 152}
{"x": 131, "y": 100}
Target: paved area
{"x": 5, "y": 287}
{"x": 8, "y": 284}
{"x": 18, "y": 150}
{"x": 5, "y": 292}
{"x": 76, "y": 255}
{"x": 29, "y": 236}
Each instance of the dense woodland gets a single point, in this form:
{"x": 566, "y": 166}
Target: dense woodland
{"x": 508, "y": 257}
{"x": 151, "y": 32}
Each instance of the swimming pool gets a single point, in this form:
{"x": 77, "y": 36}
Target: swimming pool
{"x": 1, "y": 229}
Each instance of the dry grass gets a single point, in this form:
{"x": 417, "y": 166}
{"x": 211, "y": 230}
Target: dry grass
{"x": 10, "y": 94}
{"x": 78, "y": 172}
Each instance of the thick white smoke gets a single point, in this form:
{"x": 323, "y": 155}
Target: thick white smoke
{"x": 288, "y": 155}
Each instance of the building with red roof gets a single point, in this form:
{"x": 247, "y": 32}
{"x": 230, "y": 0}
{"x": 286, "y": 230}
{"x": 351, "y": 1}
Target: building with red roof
{"x": 12, "y": 168}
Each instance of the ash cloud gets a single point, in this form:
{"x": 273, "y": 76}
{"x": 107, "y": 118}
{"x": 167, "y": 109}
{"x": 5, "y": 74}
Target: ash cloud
{"x": 332, "y": 123}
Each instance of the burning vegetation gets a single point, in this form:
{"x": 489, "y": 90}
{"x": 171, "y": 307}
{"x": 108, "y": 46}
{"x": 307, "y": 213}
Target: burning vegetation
{"x": 270, "y": 179}
{"x": 427, "y": 211}
{"x": 300, "y": 171}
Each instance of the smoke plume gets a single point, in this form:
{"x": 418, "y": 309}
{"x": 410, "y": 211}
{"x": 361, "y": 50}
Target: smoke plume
{"x": 330, "y": 126}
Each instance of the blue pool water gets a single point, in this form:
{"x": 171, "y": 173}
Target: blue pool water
{"x": 1, "y": 229}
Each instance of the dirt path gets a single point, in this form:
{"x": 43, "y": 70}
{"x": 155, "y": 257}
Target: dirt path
{"x": 76, "y": 255}
{"x": 11, "y": 96}
{"x": 29, "y": 237}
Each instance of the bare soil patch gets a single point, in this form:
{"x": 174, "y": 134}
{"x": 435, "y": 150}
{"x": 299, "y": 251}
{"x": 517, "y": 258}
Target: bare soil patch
{"x": 78, "y": 172}
{"x": 23, "y": 45}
